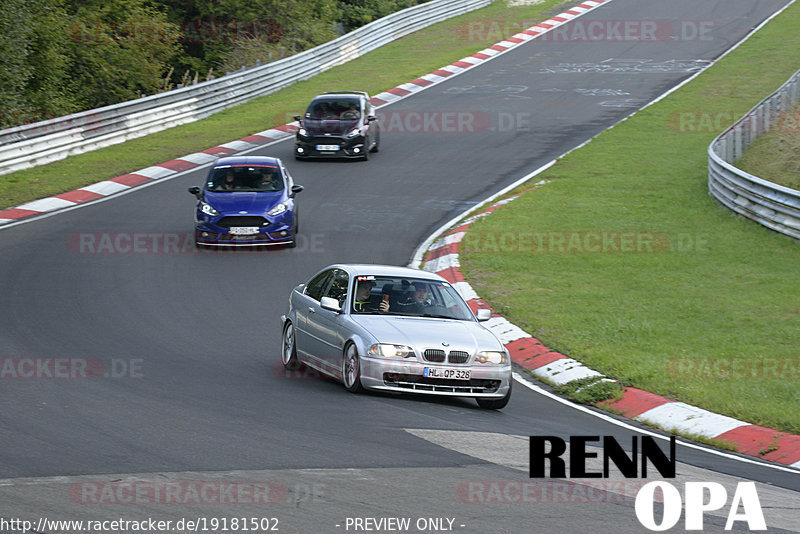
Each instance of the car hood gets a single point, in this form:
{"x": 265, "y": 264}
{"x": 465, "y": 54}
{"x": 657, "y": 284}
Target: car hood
{"x": 251, "y": 202}
{"x": 428, "y": 333}
{"x": 333, "y": 127}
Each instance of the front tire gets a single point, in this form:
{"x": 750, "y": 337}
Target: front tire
{"x": 495, "y": 404}
{"x": 351, "y": 369}
{"x": 293, "y": 242}
{"x": 289, "y": 347}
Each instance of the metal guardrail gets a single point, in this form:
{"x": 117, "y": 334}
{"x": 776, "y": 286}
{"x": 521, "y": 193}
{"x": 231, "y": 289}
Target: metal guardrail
{"x": 772, "y": 205}
{"x": 42, "y": 142}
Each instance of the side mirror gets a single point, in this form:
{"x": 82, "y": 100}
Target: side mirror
{"x": 195, "y": 191}
{"x": 483, "y": 314}
{"x": 328, "y": 303}
{"x": 371, "y": 118}
{"x": 296, "y": 189}
{"x": 298, "y": 118}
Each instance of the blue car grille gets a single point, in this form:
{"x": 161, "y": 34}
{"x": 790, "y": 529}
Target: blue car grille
{"x": 242, "y": 220}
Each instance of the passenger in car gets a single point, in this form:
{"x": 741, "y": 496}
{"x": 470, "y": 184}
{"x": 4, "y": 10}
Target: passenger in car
{"x": 268, "y": 181}
{"x": 351, "y": 112}
{"x": 417, "y": 301}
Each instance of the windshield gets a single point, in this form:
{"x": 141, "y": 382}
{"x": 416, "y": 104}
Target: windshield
{"x": 245, "y": 178}
{"x": 408, "y": 296}
{"x": 333, "y": 109}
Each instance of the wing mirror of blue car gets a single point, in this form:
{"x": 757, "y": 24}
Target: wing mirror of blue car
{"x": 298, "y": 118}
{"x": 328, "y": 303}
{"x": 483, "y": 314}
{"x": 195, "y": 191}
{"x": 296, "y": 189}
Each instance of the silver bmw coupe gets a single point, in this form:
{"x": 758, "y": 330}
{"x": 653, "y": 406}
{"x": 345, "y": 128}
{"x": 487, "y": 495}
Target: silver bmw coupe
{"x": 397, "y": 329}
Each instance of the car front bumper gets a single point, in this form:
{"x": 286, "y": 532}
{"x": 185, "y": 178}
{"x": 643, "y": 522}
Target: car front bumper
{"x": 279, "y": 231}
{"x": 487, "y": 381}
{"x": 346, "y": 148}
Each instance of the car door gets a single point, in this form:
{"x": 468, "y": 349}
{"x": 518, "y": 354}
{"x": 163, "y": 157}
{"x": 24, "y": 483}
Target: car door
{"x": 326, "y": 326}
{"x": 308, "y": 347}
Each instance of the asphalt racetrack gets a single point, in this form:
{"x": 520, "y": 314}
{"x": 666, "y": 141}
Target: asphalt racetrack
{"x": 187, "y": 344}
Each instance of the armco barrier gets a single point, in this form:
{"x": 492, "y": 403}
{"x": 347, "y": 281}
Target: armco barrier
{"x": 42, "y": 142}
{"x": 772, "y": 205}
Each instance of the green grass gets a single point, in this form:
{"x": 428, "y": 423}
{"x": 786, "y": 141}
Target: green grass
{"x": 391, "y": 65}
{"x": 775, "y": 156}
{"x": 590, "y": 390}
{"x": 698, "y": 305}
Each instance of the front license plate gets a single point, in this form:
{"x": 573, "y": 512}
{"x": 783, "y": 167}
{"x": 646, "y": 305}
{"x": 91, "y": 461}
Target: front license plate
{"x": 243, "y": 230}
{"x": 446, "y": 372}
{"x": 327, "y": 147}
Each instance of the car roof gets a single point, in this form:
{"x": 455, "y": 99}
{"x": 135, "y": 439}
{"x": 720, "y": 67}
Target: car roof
{"x": 338, "y": 96}
{"x": 358, "y": 93}
{"x": 361, "y": 269}
{"x": 255, "y": 161}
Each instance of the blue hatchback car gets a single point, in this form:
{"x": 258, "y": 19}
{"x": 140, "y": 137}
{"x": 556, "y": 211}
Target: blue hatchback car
{"x": 246, "y": 201}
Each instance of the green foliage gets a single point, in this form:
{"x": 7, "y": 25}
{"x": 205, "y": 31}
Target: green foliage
{"x": 34, "y": 68}
{"x": 119, "y": 50}
{"x": 590, "y": 390}
{"x": 356, "y": 13}
{"x": 276, "y": 29}
{"x": 62, "y": 56}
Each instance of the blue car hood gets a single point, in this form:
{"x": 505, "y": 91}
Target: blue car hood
{"x": 251, "y": 202}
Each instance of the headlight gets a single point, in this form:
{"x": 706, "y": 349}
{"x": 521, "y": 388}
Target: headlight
{"x": 491, "y": 356}
{"x": 208, "y": 209}
{"x": 302, "y": 132}
{"x": 277, "y": 210}
{"x": 354, "y": 132}
{"x": 387, "y": 350}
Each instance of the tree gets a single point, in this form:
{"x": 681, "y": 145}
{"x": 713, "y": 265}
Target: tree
{"x": 33, "y": 64}
{"x": 118, "y": 50}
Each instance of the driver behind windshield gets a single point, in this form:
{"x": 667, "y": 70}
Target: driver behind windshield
{"x": 365, "y": 301}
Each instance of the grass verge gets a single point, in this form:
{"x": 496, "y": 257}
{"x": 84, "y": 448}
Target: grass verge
{"x": 775, "y": 156}
{"x": 387, "y": 67}
{"x": 624, "y": 262}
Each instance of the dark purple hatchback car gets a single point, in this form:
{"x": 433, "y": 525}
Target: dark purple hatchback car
{"x": 340, "y": 124}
